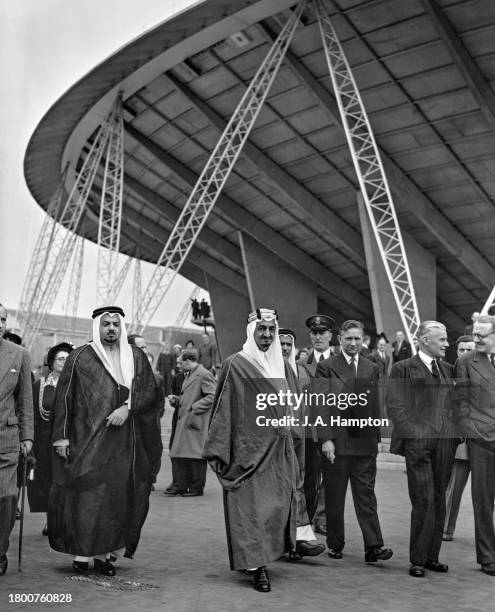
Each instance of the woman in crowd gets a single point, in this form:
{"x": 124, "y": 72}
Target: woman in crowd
{"x": 43, "y": 400}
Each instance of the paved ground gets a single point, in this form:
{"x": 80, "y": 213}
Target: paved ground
{"x": 183, "y": 552}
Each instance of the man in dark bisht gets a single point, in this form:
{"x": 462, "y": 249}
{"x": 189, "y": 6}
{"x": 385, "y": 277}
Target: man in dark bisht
{"x": 106, "y": 439}
{"x": 255, "y": 462}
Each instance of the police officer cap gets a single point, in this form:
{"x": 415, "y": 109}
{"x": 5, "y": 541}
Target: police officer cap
{"x": 320, "y": 323}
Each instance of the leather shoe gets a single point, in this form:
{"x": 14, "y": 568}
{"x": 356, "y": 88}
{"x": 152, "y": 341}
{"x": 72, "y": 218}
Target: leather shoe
{"x": 80, "y": 566}
{"x": 261, "y": 581}
{"x": 309, "y": 549}
{"x": 192, "y": 494}
{"x": 45, "y": 531}
{"x": 435, "y": 566}
{"x": 488, "y": 568}
{"x": 172, "y": 493}
{"x": 4, "y": 562}
{"x": 104, "y": 567}
{"x": 447, "y": 537}
{"x": 334, "y": 554}
{"x": 378, "y": 554}
{"x": 417, "y": 571}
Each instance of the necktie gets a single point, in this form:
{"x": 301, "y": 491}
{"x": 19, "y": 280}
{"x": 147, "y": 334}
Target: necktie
{"x": 434, "y": 369}
{"x": 321, "y": 358}
{"x": 354, "y": 363}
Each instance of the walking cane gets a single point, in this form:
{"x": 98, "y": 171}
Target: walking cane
{"x": 23, "y": 496}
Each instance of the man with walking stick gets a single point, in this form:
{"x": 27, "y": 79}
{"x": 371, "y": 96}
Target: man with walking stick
{"x": 16, "y": 428}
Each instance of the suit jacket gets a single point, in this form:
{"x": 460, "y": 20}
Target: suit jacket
{"x": 196, "y": 401}
{"x": 349, "y": 440}
{"x": 412, "y": 402}
{"x": 383, "y": 364}
{"x": 475, "y": 389}
{"x": 16, "y": 397}
{"x": 404, "y": 352}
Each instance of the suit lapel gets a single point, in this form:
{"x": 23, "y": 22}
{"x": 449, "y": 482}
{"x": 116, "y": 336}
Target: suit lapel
{"x": 7, "y": 358}
{"x": 483, "y": 366}
{"x": 190, "y": 378}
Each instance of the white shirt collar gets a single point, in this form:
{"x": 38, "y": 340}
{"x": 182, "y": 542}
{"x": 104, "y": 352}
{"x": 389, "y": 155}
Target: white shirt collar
{"x": 426, "y": 359}
{"x": 326, "y": 354}
{"x": 348, "y": 358}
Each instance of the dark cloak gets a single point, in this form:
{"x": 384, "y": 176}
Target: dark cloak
{"x": 99, "y": 499}
{"x": 259, "y": 468}
{"x": 38, "y": 489}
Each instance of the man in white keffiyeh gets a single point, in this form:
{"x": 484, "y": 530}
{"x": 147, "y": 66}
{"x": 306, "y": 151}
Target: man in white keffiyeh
{"x": 106, "y": 438}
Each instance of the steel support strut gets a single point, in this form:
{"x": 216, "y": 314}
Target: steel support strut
{"x": 64, "y": 237}
{"x": 111, "y": 209}
{"x": 490, "y": 302}
{"x": 137, "y": 291}
{"x": 371, "y": 175}
{"x": 215, "y": 174}
{"x": 75, "y": 281}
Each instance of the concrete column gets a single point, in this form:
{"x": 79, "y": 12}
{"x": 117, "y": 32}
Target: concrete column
{"x": 230, "y": 310}
{"x": 422, "y": 265}
{"x": 272, "y": 283}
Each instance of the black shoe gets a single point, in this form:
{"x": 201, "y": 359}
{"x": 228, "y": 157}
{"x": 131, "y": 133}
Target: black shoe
{"x": 261, "y": 581}
{"x": 45, "y": 531}
{"x": 4, "y": 562}
{"x": 334, "y": 554}
{"x": 112, "y": 558}
{"x": 17, "y": 514}
{"x": 417, "y": 571}
{"x": 171, "y": 493}
{"x": 104, "y": 567}
{"x": 80, "y": 566}
{"x": 192, "y": 494}
{"x": 488, "y": 568}
{"x": 435, "y": 566}
{"x": 309, "y": 549}
{"x": 377, "y": 554}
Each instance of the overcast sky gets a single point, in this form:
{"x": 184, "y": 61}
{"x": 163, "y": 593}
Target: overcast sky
{"x": 45, "y": 47}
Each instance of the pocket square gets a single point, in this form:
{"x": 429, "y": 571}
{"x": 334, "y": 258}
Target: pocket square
{"x": 13, "y": 370}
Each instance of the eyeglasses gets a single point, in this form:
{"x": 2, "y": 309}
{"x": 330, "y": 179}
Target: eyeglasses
{"x": 476, "y": 335}
{"x": 60, "y": 359}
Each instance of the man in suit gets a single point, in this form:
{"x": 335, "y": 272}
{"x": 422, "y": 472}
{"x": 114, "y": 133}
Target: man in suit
{"x": 349, "y": 451}
{"x": 475, "y": 372}
{"x": 382, "y": 360}
{"x": 420, "y": 404}
{"x": 320, "y": 333}
{"x": 462, "y": 467}
{"x": 195, "y": 403}
{"x": 401, "y": 349}
{"x": 16, "y": 428}
{"x": 173, "y": 399}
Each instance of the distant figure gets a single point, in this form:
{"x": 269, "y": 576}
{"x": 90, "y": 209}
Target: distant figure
{"x": 195, "y": 309}
{"x": 165, "y": 365}
{"x": 365, "y": 347}
{"x": 204, "y": 309}
{"x": 190, "y": 344}
{"x": 207, "y": 353}
{"x": 302, "y": 356}
{"x": 401, "y": 349}
{"x": 137, "y": 340}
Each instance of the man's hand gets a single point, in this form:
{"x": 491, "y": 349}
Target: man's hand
{"x": 62, "y": 451}
{"x": 26, "y": 446}
{"x": 216, "y": 466}
{"x": 173, "y": 400}
{"x": 328, "y": 449}
{"x": 118, "y": 417}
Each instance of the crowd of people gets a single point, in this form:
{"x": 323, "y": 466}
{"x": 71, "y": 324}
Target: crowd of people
{"x": 285, "y": 432}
